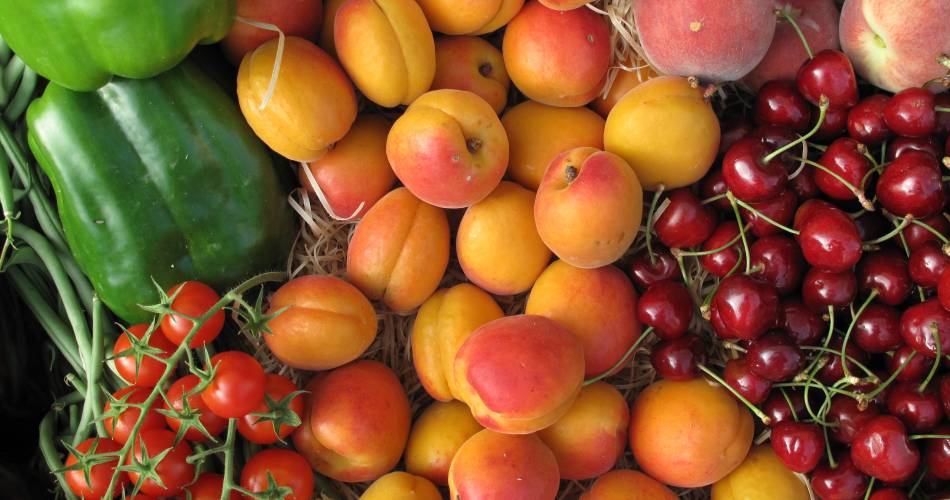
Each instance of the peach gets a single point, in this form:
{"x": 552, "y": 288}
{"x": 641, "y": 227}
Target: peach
{"x": 537, "y": 133}
{"x": 818, "y": 20}
{"x": 387, "y": 49}
{"x": 435, "y": 438}
{"x": 293, "y": 17}
{"x": 442, "y": 325}
{"x": 469, "y": 17}
{"x": 355, "y": 173}
{"x": 519, "y": 374}
{"x": 599, "y": 309}
{"x": 399, "y": 251}
{"x": 494, "y": 465}
{"x": 713, "y": 43}
{"x": 589, "y": 439}
{"x": 588, "y": 207}
{"x": 471, "y": 63}
{"x": 689, "y": 433}
{"x": 312, "y": 106}
{"x": 624, "y": 484}
{"x": 326, "y": 30}
{"x": 624, "y": 82}
{"x": 401, "y": 486}
{"x": 666, "y": 130}
{"x": 557, "y": 58}
{"x": 449, "y": 148}
{"x": 563, "y": 4}
{"x": 896, "y": 45}
{"x": 761, "y": 476}
{"x": 327, "y": 323}
{"x": 498, "y": 245}
{"x": 357, "y": 422}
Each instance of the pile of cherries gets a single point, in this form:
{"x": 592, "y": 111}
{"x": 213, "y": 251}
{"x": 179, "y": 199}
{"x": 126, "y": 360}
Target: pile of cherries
{"x": 818, "y": 254}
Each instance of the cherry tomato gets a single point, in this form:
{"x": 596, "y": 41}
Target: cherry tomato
{"x": 147, "y": 373}
{"x": 194, "y": 299}
{"x": 100, "y": 474}
{"x": 237, "y": 387}
{"x": 208, "y": 487}
{"x": 211, "y": 422}
{"x": 287, "y": 468}
{"x": 173, "y": 469}
{"x": 119, "y": 428}
{"x": 260, "y": 430}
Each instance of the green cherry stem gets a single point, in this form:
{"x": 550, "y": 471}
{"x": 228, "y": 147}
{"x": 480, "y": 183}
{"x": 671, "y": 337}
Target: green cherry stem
{"x": 649, "y": 232}
{"x": 757, "y": 412}
{"x": 933, "y": 231}
{"x": 745, "y": 242}
{"x": 822, "y": 111}
{"x": 928, "y": 436}
{"x": 623, "y": 360}
{"x": 847, "y": 334}
{"x": 936, "y": 363}
{"x": 785, "y": 15}
{"x": 862, "y": 199}
{"x": 766, "y": 218}
{"x": 867, "y": 492}
{"x": 867, "y": 245}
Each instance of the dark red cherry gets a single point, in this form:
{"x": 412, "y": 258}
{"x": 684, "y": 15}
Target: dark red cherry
{"x": 714, "y": 185}
{"x": 775, "y": 356}
{"x": 943, "y": 289}
{"x": 776, "y": 137}
{"x": 882, "y": 450}
{"x": 866, "y": 120}
{"x": 878, "y": 329}
{"x": 844, "y": 482}
{"x": 920, "y": 411}
{"x": 832, "y": 371}
{"x": 927, "y": 263}
{"x": 779, "y": 262}
{"x": 844, "y": 158}
{"x": 779, "y": 103}
{"x": 918, "y": 323}
{"x": 912, "y": 185}
{"x": 734, "y": 127}
{"x": 835, "y": 124}
{"x": 803, "y": 324}
{"x": 645, "y": 273}
{"x": 747, "y": 174}
{"x": 746, "y": 307}
{"x": 829, "y": 74}
{"x": 901, "y": 145}
{"x": 667, "y": 307}
{"x": 685, "y": 222}
{"x": 937, "y": 454}
{"x": 679, "y": 358}
{"x": 778, "y": 408}
{"x": 910, "y": 113}
{"x": 798, "y": 445}
{"x": 916, "y": 235}
{"x": 803, "y": 184}
{"x": 830, "y": 240}
{"x": 888, "y": 494}
{"x": 738, "y": 374}
{"x": 780, "y": 209}
{"x": 849, "y": 417}
{"x": 914, "y": 369}
{"x": 886, "y": 272}
{"x": 944, "y": 389}
{"x": 807, "y": 209}
{"x": 943, "y": 119}
{"x": 722, "y": 262}
{"x": 821, "y": 288}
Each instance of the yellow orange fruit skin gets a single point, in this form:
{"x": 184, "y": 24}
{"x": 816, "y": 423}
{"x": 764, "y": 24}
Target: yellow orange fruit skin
{"x": 623, "y": 82}
{"x": 625, "y": 484}
{"x": 761, "y": 476}
{"x": 469, "y": 17}
{"x": 436, "y": 436}
{"x": 495, "y": 465}
{"x": 401, "y": 486}
{"x": 471, "y": 63}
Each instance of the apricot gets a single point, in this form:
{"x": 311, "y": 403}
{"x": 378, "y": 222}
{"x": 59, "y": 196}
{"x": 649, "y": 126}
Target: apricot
{"x": 666, "y": 130}
{"x": 399, "y": 251}
{"x": 689, "y": 433}
{"x": 519, "y": 374}
{"x": 563, "y": 4}
{"x": 537, "y": 133}
{"x": 449, "y": 148}
{"x": 357, "y": 422}
{"x": 494, "y": 465}
{"x": 471, "y": 63}
{"x": 327, "y": 323}
{"x": 498, "y": 245}
{"x": 761, "y": 476}
{"x": 589, "y": 439}
{"x": 294, "y": 17}
{"x": 387, "y": 49}
{"x": 435, "y": 438}
{"x": 355, "y": 173}
{"x": 442, "y": 325}
{"x": 313, "y": 103}
{"x": 600, "y": 310}
{"x": 469, "y": 17}
{"x": 623, "y": 82}
{"x": 624, "y": 484}
{"x": 588, "y": 207}
{"x": 401, "y": 486}
{"x": 557, "y": 57}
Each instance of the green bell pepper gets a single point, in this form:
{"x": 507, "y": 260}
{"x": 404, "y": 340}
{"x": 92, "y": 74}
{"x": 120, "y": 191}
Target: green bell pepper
{"x": 81, "y": 44}
{"x": 159, "y": 178}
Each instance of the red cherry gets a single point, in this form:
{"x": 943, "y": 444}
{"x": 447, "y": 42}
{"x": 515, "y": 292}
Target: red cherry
{"x": 747, "y": 174}
{"x": 780, "y": 209}
{"x": 916, "y": 235}
{"x": 878, "y": 329}
{"x": 734, "y": 127}
{"x": 667, "y": 307}
{"x": 844, "y": 482}
{"x": 803, "y": 184}
{"x": 937, "y": 454}
{"x": 777, "y": 408}
{"x": 775, "y": 356}
{"x": 866, "y": 120}
{"x": 927, "y": 264}
{"x": 944, "y": 390}
{"x": 807, "y": 209}
{"x": 918, "y": 323}
{"x": 746, "y": 307}
{"x": 882, "y": 449}
{"x": 685, "y": 222}
{"x": 776, "y": 137}
{"x": 679, "y": 358}
{"x": 920, "y": 411}
{"x": 722, "y": 262}
{"x": 714, "y": 185}
{"x": 821, "y": 288}
{"x": 830, "y": 240}
{"x": 738, "y": 374}
{"x": 888, "y": 494}
{"x": 798, "y": 445}
{"x": 779, "y": 103}
{"x": 832, "y": 371}
{"x": 843, "y": 157}
{"x": 829, "y": 74}
{"x": 914, "y": 370}
{"x": 911, "y": 113}
{"x": 943, "y": 288}
{"x": 801, "y": 323}
{"x": 780, "y": 260}
{"x": 886, "y": 272}
{"x": 835, "y": 124}
{"x": 902, "y": 145}
{"x": 943, "y": 119}
{"x": 644, "y": 273}
{"x": 849, "y": 417}
{"x": 912, "y": 185}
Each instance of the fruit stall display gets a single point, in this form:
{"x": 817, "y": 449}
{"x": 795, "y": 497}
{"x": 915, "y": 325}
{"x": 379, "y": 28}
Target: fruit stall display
{"x": 425, "y": 249}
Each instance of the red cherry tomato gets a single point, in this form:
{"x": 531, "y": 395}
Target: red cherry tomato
{"x": 287, "y": 468}
{"x": 146, "y": 373}
{"x": 175, "y": 394}
{"x": 173, "y": 469}
{"x": 237, "y": 387}
{"x": 100, "y": 474}
{"x": 194, "y": 299}
{"x": 260, "y": 430}
{"x": 119, "y": 428}
{"x": 208, "y": 487}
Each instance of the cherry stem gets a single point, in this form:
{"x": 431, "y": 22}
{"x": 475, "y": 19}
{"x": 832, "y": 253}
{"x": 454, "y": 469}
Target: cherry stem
{"x": 869, "y": 245}
{"x": 889, "y": 380}
{"x": 815, "y": 383}
{"x": 930, "y": 228}
{"x": 936, "y": 364}
{"x": 831, "y": 458}
{"x": 941, "y": 109}
{"x": 788, "y": 401}
{"x": 785, "y": 15}
{"x": 766, "y": 218}
{"x": 920, "y": 479}
{"x": 928, "y": 436}
{"x": 867, "y": 492}
{"x": 854, "y": 190}
{"x": 649, "y": 233}
{"x": 745, "y": 242}
{"x": 822, "y": 110}
{"x": 847, "y": 334}
{"x": 872, "y": 377}
{"x": 699, "y": 253}
{"x": 757, "y": 412}
{"x": 623, "y": 360}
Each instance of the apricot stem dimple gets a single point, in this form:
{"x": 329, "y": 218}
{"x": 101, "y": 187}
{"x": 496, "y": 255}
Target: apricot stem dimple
{"x": 473, "y": 145}
{"x": 484, "y": 69}
{"x": 570, "y": 173}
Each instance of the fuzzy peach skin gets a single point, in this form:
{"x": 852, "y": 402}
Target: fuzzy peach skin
{"x": 896, "y": 45}
{"x": 761, "y": 476}
{"x": 589, "y": 439}
{"x": 449, "y": 148}
{"x": 588, "y": 207}
{"x": 519, "y": 374}
{"x": 689, "y": 433}
{"x": 563, "y": 4}
{"x": 399, "y": 251}
{"x": 471, "y": 63}
{"x": 326, "y": 30}
{"x": 435, "y": 438}
{"x": 491, "y": 465}
{"x": 557, "y": 58}
{"x": 818, "y": 20}
{"x": 357, "y": 422}
{"x": 597, "y": 305}
{"x": 387, "y": 49}
{"x": 625, "y": 484}
{"x": 469, "y": 17}
{"x": 666, "y": 130}
{"x": 537, "y": 133}
{"x": 355, "y": 173}
{"x": 623, "y": 83}
{"x": 294, "y": 17}
{"x": 313, "y": 104}
{"x": 497, "y": 244}
{"x": 327, "y": 323}
{"x": 715, "y": 42}
{"x": 442, "y": 325}
{"x": 401, "y": 486}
